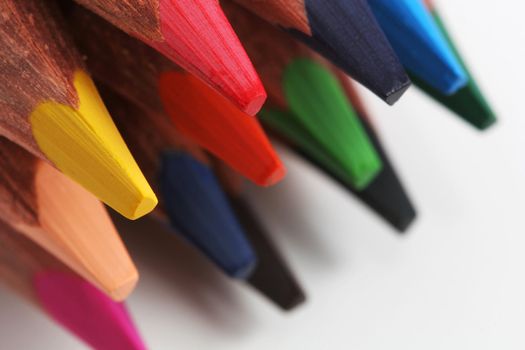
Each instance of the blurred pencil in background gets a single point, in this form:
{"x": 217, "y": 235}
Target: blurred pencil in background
{"x": 63, "y": 218}
{"x": 386, "y": 193}
{"x": 51, "y": 286}
{"x": 195, "y": 35}
{"x": 345, "y": 32}
{"x": 468, "y": 102}
{"x": 272, "y": 276}
{"x": 157, "y": 85}
{"x": 422, "y": 49}
{"x": 50, "y": 106}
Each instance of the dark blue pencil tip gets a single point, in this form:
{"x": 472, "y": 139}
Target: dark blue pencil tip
{"x": 199, "y": 210}
{"x": 420, "y": 45}
{"x": 347, "y": 33}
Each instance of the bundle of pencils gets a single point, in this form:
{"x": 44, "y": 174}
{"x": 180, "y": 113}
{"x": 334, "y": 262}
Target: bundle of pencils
{"x": 189, "y": 92}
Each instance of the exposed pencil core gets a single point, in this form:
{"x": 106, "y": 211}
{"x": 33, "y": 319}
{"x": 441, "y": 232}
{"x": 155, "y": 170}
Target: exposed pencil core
{"x": 85, "y": 311}
{"x": 76, "y": 228}
{"x": 419, "y": 43}
{"x": 319, "y": 105}
{"x": 213, "y": 123}
{"x": 85, "y": 144}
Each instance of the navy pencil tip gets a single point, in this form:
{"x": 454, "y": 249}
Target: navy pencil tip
{"x": 200, "y": 212}
{"x": 347, "y": 33}
{"x": 394, "y": 96}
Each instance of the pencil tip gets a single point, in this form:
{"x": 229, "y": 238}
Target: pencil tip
{"x": 419, "y": 44}
{"x": 191, "y": 192}
{"x": 319, "y": 106}
{"x": 85, "y": 145}
{"x": 121, "y": 291}
{"x": 346, "y": 33}
{"x": 212, "y": 122}
{"x": 271, "y": 277}
{"x": 275, "y": 176}
{"x": 216, "y": 55}
{"x": 84, "y": 310}
{"x": 76, "y": 228}
{"x": 394, "y": 96}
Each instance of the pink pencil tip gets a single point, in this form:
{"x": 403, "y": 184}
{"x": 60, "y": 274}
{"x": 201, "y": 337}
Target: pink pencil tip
{"x": 86, "y": 311}
{"x": 198, "y": 37}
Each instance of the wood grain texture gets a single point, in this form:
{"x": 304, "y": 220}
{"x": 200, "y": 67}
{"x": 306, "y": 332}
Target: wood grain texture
{"x": 147, "y": 79}
{"x": 133, "y": 16}
{"x": 37, "y": 63}
{"x": 285, "y": 13}
{"x": 270, "y": 50}
{"x": 63, "y": 218}
{"x": 52, "y": 287}
{"x": 118, "y": 60}
{"x": 49, "y": 105}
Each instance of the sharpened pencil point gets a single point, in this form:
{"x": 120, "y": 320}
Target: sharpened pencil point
{"x": 215, "y": 124}
{"x": 420, "y": 46}
{"x": 85, "y": 145}
{"x": 347, "y": 33}
{"x": 318, "y": 105}
{"x": 200, "y": 39}
{"x": 198, "y": 209}
{"x": 92, "y": 316}
{"x": 76, "y": 228}
{"x": 468, "y": 102}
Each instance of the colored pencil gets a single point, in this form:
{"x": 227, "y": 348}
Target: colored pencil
{"x": 468, "y": 102}
{"x": 50, "y": 106}
{"x": 48, "y": 284}
{"x": 63, "y": 218}
{"x": 386, "y": 193}
{"x": 189, "y": 194}
{"x": 199, "y": 113}
{"x": 272, "y": 276}
{"x": 297, "y": 80}
{"x": 345, "y": 32}
{"x": 419, "y": 44}
{"x": 195, "y": 35}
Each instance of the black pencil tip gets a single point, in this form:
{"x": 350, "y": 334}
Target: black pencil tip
{"x": 395, "y": 95}
{"x": 271, "y": 277}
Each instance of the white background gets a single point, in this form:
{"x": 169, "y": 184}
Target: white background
{"x": 456, "y": 281}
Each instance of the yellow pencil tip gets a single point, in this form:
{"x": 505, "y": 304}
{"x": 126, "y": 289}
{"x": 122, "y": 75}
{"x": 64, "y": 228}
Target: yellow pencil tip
{"x": 85, "y": 144}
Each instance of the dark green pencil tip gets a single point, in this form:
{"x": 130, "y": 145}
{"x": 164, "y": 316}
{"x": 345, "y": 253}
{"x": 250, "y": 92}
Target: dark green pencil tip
{"x": 468, "y": 102}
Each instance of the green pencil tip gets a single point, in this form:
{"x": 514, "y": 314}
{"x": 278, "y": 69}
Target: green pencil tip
{"x": 320, "y": 107}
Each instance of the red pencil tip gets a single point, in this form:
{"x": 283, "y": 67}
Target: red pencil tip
{"x": 212, "y": 122}
{"x": 199, "y": 38}
{"x": 277, "y": 174}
